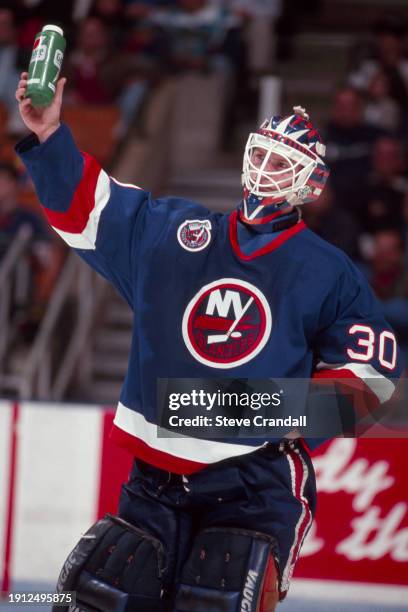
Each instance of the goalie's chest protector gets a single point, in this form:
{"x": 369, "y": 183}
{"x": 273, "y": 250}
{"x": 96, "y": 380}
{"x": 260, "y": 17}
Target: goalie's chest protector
{"x": 205, "y": 310}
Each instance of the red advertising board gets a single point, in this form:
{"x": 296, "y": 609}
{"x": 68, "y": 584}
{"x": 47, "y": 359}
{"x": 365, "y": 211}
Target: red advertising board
{"x": 361, "y": 527}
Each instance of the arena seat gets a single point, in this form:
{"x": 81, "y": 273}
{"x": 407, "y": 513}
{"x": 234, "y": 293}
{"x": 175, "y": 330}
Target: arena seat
{"x": 93, "y": 128}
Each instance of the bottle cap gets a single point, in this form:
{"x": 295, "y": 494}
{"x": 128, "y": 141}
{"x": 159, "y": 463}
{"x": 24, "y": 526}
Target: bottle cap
{"x": 53, "y": 28}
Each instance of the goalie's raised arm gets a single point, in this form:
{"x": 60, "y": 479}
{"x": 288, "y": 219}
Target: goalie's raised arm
{"x": 93, "y": 213}
{"x": 43, "y": 121}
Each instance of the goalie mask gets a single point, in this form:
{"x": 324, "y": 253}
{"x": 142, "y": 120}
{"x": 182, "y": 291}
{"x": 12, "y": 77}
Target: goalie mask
{"x": 283, "y": 162}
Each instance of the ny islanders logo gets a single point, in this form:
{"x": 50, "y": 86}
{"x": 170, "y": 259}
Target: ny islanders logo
{"x": 194, "y": 235}
{"x": 227, "y": 323}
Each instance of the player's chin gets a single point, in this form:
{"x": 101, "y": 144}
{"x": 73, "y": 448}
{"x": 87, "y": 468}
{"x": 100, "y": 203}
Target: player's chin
{"x": 271, "y": 192}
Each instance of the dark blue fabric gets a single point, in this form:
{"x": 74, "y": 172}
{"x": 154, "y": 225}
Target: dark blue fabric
{"x": 55, "y": 167}
{"x": 314, "y": 292}
{"x": 250, "y": 492}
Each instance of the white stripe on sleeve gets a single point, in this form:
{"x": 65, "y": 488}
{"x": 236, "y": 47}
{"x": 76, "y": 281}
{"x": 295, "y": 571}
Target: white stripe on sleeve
{"x": 87, "y": 238}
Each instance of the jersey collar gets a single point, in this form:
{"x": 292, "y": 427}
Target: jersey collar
{"x": 252, "y": 212}
{"x": 296, "y": 226}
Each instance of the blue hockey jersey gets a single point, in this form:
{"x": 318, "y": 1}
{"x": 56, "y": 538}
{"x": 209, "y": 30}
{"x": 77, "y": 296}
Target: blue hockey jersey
{"x": 206, "y": 305}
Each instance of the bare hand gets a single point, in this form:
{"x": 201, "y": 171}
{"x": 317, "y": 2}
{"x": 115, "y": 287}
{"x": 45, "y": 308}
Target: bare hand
{"x": 42, "y": 121}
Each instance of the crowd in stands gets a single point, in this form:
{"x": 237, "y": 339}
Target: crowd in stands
{"x": 367, "y": 146}
{"x": 118, "y": 50}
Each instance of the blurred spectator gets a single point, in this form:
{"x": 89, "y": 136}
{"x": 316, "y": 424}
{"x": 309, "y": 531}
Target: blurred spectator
{"x": 266, "y": 8}
{"x": 386, "y": 186}
{"x": 405, "y": 214}
{"x": 45, "y": 257}
{"x": 12, "y": 216}
{"x": 290, "y": 22}
{"x": 206, "y": 39}
{"x": 62, "y": 13}
{"x": 389, "y": 57}
{"x": 139, "y": 9}
{"x": 100, "y": 74}
{"x": 381, "y": 110}
{"x": 9, "y": 74}
{"x": 260, "y": 17}
{"x": 349, "y": 143}
{"x": 389, "y": 279}
{"x": 33, "y": 14}
{"x": 197, "y": 34}
{"x": 144, "y": 38}
{"x": 112, "y": 13}
{"x": 332, "y": 223}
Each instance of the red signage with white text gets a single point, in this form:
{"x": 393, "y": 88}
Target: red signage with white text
{"x": 361, "y": 527}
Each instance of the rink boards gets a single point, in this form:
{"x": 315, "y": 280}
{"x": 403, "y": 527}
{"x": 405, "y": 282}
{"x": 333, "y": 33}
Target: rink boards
{"x": 59, "y": 472}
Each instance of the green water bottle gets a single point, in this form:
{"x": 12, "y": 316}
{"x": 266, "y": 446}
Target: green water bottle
{"x": 45, "y": 65}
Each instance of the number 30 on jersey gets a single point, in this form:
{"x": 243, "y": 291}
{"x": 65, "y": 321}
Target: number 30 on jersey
{"x": 368, "y": 342}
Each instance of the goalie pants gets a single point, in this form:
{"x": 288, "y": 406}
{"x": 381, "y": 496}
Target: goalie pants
{"x": 271, "y": 490}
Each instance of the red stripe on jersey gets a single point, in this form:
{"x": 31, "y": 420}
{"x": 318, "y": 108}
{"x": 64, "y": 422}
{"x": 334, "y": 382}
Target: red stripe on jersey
{"x": 115, "y": 466}
{"x": 274, "y": 244}
{"x": 301, "y": 479}
{"x": 364, "y": 399}
{"x": 299, "y": 474}
{"x": 74, "y": 220}
{"x": 159, "y": 459}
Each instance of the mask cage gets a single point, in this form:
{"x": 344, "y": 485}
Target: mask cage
{"x": 265, "y": 183}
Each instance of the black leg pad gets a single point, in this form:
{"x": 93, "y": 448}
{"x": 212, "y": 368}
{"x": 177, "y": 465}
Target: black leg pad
{"x": 226, "y": 571}
{"x": 115, "y": 567}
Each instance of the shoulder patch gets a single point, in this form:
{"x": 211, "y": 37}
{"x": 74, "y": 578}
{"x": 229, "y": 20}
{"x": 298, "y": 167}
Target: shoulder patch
{"x": 194, "y": 234}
